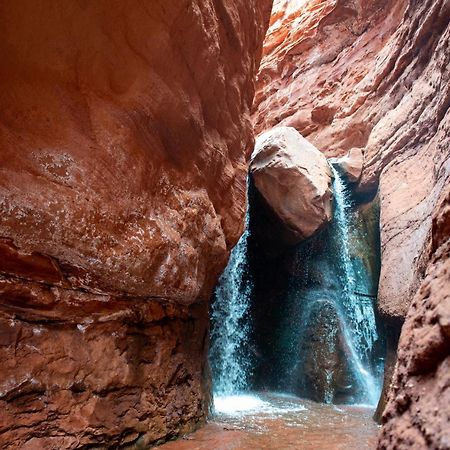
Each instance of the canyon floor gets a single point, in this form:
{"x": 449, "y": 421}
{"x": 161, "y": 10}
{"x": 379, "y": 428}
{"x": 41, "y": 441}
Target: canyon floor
{"x": 276, "y": 421}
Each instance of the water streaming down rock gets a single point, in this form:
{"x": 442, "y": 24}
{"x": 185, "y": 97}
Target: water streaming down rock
{"x": 330, "y": 328}
{"x": 315, "y": 329}
{"x": 359, "y": 325}
{"x": 229, "y": 353}
{"x": 315, "y": 339}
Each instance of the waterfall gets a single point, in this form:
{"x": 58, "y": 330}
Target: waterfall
{"x": 318, "y": 334}
{"x": 358, "y": 316}
{"x": 229, "y": 355}
{"x": 324, "y": 343}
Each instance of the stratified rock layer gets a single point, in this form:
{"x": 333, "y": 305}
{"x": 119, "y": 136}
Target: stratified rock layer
{"x": 295, "y": 180}
{"x": 124, "y": 136}
{"x": 80, "y": 370}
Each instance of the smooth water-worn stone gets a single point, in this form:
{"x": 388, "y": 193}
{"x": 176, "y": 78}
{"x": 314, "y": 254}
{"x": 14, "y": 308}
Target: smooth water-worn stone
{"x": 294, "y": 178}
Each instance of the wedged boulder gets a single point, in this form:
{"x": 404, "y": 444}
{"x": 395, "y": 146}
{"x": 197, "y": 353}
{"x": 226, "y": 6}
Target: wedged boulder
{"x": 351, "y": 165}
{"x": 294, "y": 178}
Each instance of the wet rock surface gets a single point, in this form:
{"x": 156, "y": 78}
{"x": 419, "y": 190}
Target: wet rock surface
{"x": 295, "y": 180}
{"x": 351, "y": 165}
{"x": 124, "y": 138}
{"x": 323, "y": 373}
{"x": 297, "y": 340}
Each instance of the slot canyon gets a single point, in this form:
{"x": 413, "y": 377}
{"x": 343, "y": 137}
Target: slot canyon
{"x": 225, "y": 224}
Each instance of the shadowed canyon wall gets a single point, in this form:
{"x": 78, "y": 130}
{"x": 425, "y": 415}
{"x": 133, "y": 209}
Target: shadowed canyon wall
{"x": 375, "y": 76}
{"x": 125, "y": 134}
{"x": 417, "y": 415}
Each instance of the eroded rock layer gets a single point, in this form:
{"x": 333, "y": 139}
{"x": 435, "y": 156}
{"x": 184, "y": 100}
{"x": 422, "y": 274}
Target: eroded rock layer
{"x": 417, "y": 415}
{"x": 80, "y": 370}
{"x": 125, "y": 131}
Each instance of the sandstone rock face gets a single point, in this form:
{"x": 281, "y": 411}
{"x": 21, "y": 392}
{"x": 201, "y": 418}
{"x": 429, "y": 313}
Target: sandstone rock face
{"x": 82, "y": 370}
{"x": 294, "y": 178}
{"x": 351, "y": 164}
{"x": 417, "y": 415}
{"x": 374, "y": 76}
{"x": 125, "y": 130}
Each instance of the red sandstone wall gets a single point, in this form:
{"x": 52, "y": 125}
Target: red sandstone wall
{"x": 125, "y": 129}
{"x": 417, "y": 415}
{"x": 375, "y": 76}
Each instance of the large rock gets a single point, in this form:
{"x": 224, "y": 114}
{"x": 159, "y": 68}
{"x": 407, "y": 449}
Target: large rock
{"x": 125, "y": 134}
{"x": 351, "y": 165}
{"x": 417, "y": 415}
{"x": 294, "y": 178}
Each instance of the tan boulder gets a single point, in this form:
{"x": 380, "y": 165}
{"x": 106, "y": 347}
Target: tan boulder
{"x": 294, "y": 178}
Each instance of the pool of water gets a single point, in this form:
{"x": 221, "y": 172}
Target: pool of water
{"x": 281, "y": 422}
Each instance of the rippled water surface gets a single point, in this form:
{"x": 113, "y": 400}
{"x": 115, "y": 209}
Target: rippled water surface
{"x": 275, "y": 421}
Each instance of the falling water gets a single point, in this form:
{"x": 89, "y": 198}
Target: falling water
{"x": 322, "y": 341}
{"x": 229, "y": 357}
{"x": 323, "y": 332}
{"x": 358, "y": 317}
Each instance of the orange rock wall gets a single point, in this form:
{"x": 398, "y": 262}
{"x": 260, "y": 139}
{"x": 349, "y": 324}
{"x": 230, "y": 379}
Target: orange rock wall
{"x": 124, "y": 137}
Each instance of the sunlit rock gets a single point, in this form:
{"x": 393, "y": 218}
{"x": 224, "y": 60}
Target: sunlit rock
{"x": 295, "y": 180}
{"x": 351, "y": 165}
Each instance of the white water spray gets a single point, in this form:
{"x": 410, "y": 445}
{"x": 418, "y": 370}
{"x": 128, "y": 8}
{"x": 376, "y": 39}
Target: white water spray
{"x": 229, "y": 355}
{"x": 358, "y": 317}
